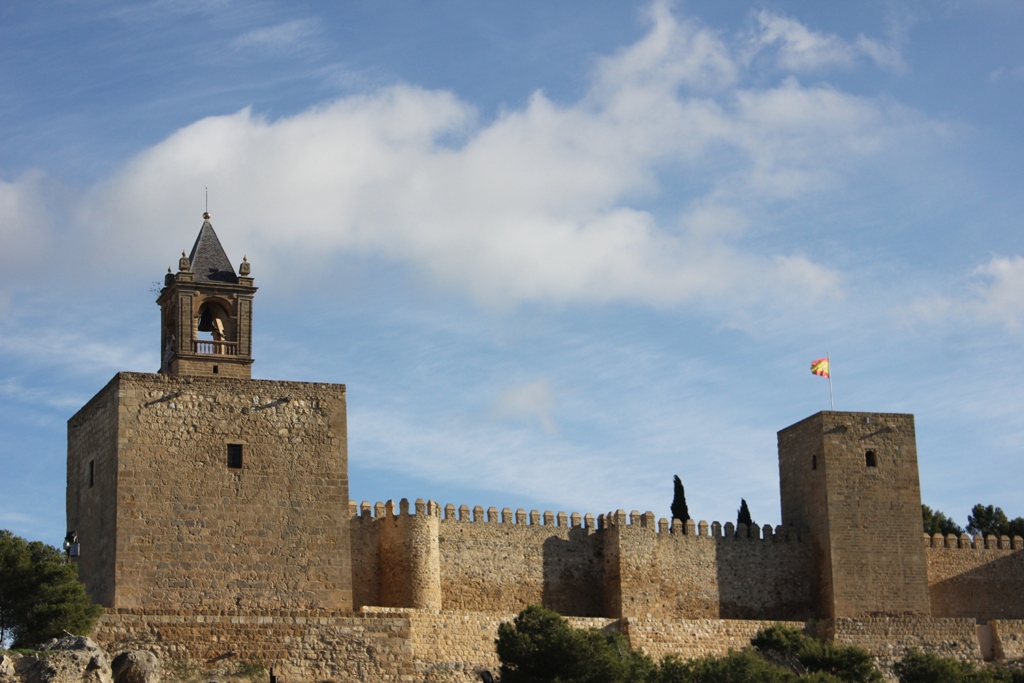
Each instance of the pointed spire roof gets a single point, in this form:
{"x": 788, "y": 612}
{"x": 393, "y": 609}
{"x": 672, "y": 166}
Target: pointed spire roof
{"x": 208, "y": 260}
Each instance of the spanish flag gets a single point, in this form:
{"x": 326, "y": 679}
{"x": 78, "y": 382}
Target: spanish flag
{"x": 820, "y": 367}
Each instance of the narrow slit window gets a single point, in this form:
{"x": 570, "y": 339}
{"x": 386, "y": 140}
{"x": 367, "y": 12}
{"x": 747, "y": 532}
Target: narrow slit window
{"x": 235, "y": 456}
{"x": 92, "y": 473}
{"x": 814, "y": 462}
{"x": 870, "y": 460}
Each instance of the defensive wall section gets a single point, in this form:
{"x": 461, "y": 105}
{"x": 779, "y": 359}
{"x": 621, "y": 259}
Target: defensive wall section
{"x": 612, "y": 566}
{"x": 461, "y": 556}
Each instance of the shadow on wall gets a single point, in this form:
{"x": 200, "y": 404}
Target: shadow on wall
{"x": 763, "y": 579}
{"x": 573, "y": 574}
{"x": 994, "y": 590}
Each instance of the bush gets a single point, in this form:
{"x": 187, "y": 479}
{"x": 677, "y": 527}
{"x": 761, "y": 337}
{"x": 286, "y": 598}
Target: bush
{"x": 821, "y": 661}
{"x": 540, "y": 646}
{"x": 40, "y": 595}
{"x": 735, "y": 667}
{"x": 921, "y": 667}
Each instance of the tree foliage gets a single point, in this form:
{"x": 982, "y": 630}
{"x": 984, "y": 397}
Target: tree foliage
{"x": 989, "y": 520}
{"x": 919, "y": 667}
{"x": 679, "y": 509}
{"x": 743, "y": 514}
{"x": 540, "y": 646}
{"x": 936, "y": 522}
{"x": 40, "y": 595}
{"x": 806, "y": 656}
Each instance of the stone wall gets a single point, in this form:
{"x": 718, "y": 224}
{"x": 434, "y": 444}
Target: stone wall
{"x": 192, "y": 532}
{"x": 506, "y": 564}
{"x": 976, "y": 577}
{"x": 660, "y": 571}
{"x": 502, "y": 562}
{"x": 689, "y": 638}
{"x": 889, "y": 639}
{"x": 376, "y": 645}
{"x": 1008, "y": 635}
{"x": 92, "y": 490}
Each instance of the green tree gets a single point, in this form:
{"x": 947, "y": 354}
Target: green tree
{"x": 679, "y": 509}
{"x": 989, "y": 520}
{"x": 743, "y": 515}
{"x": 814, "y": 659}
{"x": 935, "y": 522}
{"x": 736, "y": 667}
{"x": 540, "y": 646}
{"x": 40, "y": 595}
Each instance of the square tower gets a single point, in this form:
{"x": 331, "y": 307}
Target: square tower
{"x": 201, "y": 490}
{"x": 851, "y": 479}
{"x": 208, "y": 494}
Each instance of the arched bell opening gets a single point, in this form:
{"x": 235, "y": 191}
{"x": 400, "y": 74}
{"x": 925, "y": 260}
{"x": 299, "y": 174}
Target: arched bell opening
{"x": 215, "y": 333}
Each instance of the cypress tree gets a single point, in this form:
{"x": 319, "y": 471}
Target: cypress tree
{"x": 743, "y": 515}
{"x": 679, "y": 509}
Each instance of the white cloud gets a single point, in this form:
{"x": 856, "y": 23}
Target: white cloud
{"x": 547, "y": 202}
{"x": 284, "y": 36}
{"x": 999, "y": 291}
{"x": 994, "y": 293}
{"x": 530, "y": 401}
{"x": 25, "y": 225}
{"x": 798, "y": 48}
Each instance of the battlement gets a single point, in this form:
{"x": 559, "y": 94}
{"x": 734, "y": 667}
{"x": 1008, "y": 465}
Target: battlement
{"x": 367, "y": 512}
{"x": 976, "y": 542}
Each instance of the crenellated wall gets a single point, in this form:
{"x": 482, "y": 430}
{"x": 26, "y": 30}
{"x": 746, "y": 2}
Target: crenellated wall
{"x": 981, "y": 578}
{"x": 612, "y": 566}
{"x": 685, "y": 572}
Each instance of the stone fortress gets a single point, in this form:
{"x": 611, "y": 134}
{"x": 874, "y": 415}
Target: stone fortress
{"x": 215, "y": 525}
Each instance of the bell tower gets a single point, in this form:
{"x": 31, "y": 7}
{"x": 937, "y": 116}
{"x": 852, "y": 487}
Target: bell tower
{"x": 206, "y": 313}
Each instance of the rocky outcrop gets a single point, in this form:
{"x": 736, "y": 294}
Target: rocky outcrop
{"x": 78, "y": 659}
{"x": 138, "y": 666}
{"x": 74, "y": 659}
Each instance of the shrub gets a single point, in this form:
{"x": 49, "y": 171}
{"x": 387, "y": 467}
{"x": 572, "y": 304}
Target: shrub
{"x": 821, "y": 661}
{"x": 540, "y": 646}
{"x": 735, "y": 667}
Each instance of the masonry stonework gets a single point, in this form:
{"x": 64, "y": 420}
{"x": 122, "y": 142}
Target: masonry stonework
{"x": 851, "y": 479}
{"x": 167, "y": 522}
{"x": 215, "y": 525}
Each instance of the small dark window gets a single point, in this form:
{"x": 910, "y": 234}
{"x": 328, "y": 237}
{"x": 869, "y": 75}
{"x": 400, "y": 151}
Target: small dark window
{"x": 814, "y": 462}
{"x": 870, "y": 460}
{"x": 215, "y": 368}
{"x": 235, "y": 456}
{"x": 92, "y": 472}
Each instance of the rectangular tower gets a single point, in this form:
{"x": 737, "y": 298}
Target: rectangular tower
{"x": 851, "y": 479}
{"x": 210, "y": 494}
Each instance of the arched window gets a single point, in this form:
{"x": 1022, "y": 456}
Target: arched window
{"x": 870, "y": 460}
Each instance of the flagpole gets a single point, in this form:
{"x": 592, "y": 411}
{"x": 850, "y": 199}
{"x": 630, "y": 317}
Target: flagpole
{"x": 831, "y": 401}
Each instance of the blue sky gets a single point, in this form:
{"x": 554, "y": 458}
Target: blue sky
{"x": 558, "y": 252}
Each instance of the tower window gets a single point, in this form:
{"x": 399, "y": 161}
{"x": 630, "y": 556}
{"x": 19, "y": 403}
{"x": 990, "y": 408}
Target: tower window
{"x": 814, "y": 462}
{"x": 870, "y": 460}
{"x": 215, "y": 368}
{"x": 92, "y": 472}
{"x": 235, "y": 456}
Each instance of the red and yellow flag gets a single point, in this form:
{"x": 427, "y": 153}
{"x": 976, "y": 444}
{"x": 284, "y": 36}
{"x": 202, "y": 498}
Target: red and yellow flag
{"x": 820, "y": 367}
